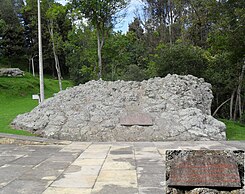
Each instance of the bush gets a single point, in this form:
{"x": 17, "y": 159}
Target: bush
{"x": 180, "y": 59}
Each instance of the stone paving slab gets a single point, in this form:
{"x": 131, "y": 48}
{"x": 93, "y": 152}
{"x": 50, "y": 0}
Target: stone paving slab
{"x": 25, "y": 186}
{"x": 68, "y": 190}
{"x": 92, "y": 168}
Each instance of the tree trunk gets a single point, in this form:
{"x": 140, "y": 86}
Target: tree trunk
{"x": 231, "y": 103}
{"x": 171, "y": 22}
{"x": 56, "y": 59}
{"x": 57, "y": 66}
{"x": 32, "y": 65}
{"x": 182, "y": 27}
{"x": 240, "y": 87}
{"x": 100, "y": 41}
{"x": 238, "y": 104}
{"x": 220, "y": 107}
{"x": 99, "y": 56}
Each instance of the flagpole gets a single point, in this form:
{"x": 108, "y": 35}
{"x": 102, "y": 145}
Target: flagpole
{"x": 41, "y": 82}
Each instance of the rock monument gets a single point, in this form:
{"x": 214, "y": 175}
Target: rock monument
{"x": 159, "y": 109}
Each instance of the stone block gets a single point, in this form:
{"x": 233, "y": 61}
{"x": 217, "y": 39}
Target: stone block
{"x": 205, "y": 171}
{"x": 218, "y": 171}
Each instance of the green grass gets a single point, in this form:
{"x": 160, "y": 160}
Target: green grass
{"x": 16, "y": 98}
{"x": 234, "y": 130}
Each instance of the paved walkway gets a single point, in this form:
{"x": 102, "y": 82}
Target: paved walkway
{"x": 88, "y": 168}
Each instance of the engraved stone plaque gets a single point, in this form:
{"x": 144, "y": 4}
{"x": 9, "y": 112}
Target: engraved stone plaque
{"x": 141, "y": 119}
{"x": 205, "y": 171}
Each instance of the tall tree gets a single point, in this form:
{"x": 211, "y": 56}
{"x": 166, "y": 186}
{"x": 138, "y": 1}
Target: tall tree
{"x": 11, "y": 32}
{"x": 55, "y": 13}
{"x": 80, "y": 49}
{"x": 102, "y": 14}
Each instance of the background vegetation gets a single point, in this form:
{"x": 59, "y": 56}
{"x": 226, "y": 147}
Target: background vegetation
{"x": 205, "y": 38}
{"x": 16, "y": 98}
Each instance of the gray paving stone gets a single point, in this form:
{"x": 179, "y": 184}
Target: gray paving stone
{"x": 150, "y": 161}
{"x": 235, "y": 144}
{"x": 41, "y": 175}
{"x": 25, "y": 187}
{"x": 151, "y": 169}
{"x": 85, "y": 170}
{"x": 55, "y": 165}
{"x": 10, "y": 152}
{"x": 10, "y": 172}
{"x": 6, "y": 159}
{"x": 143, "y": 144}
{"x": 63, "y": 157}
{"x": 151, "y": 180}
{"x": 7, "y": 147}
{"x": 129, "y": 160}
{"x": 67, "y": 190}
{"x": 151, "y": 190}
{"x": 46, "y": 149}
{"x": 47, "y": 170}
{"x": 111, "y": 189}
{"x": 29, "y": 160}
{"x": 122, "y": 148}
{"x": 121, "y": 152}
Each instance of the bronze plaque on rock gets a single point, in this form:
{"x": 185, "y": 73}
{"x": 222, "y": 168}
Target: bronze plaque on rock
{"x": 205, "y": 171}
{"x": 141, "y": 119}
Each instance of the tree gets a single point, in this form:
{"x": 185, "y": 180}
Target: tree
{"x": 11, "y": 32}
{"x": 80, "y": 49}
{"x": 54, "y": 14}
{"x": 102, "y": 14}
{"x": 162, "y": 16}
{"x": 124, "y": 57}
{"x": 136, "y": 28}
{"x": 55, "y": 27}
{"x": 180, "y": 59}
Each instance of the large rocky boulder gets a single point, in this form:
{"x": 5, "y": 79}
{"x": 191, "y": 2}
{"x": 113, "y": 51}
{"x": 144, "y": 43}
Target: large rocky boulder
{"x": 159, "y": 109}
{"x": 11, "y": 72}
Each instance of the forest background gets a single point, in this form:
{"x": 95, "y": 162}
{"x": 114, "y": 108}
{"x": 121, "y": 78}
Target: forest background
{"x": 204, "y": 38}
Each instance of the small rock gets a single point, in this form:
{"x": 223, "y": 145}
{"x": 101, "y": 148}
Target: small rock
{"x": 11, "y": 72}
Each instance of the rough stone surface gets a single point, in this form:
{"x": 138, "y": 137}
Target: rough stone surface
{"x": 11, "y": 72}
{"x": 204, "y": 191}
{"x": 229, "y": 155}
{"x": 179, "y": 107}
{"x": 202, "y": 170}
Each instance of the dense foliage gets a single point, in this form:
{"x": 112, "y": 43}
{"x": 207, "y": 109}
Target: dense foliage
{"x": 205, "y": 38}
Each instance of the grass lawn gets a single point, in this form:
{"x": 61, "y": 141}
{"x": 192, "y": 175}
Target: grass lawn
{"x": 16, "y": 98}
{"x": 234, "y": 130}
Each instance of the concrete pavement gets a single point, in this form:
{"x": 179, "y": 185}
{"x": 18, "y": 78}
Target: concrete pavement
{"x": 35, "y": 165}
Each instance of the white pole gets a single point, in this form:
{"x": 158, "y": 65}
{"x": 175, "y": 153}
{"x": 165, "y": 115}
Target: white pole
{"x": 40, "y": 53}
